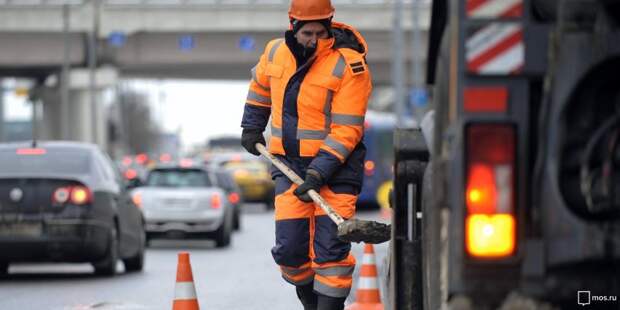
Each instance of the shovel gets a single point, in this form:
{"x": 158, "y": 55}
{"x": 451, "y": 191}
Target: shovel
{"x": 352, "y": 230}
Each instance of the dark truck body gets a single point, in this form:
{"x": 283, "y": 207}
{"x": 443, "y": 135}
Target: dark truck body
{"x": 549, "y": 112}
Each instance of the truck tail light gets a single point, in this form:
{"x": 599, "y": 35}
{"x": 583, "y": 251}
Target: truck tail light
{"x": 490, "y": 224}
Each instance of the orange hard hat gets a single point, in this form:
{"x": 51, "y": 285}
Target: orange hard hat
{"x": 310, "y": 9}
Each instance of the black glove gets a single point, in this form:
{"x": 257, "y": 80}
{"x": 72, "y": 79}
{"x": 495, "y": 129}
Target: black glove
{"x": 313, "y": 181}
{"x": 249, "y": 138}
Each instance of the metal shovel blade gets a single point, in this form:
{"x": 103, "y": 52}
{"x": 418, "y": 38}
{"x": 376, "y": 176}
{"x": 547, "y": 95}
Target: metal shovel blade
{"x": 354, "y": 230}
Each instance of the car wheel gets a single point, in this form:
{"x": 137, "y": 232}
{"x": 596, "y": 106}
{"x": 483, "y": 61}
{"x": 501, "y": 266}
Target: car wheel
{"x": 237, "y": 219}
{"x": 271, "y": 203}
{"x": 107, "y": 266}
{"x": 4, "y": 268}
{"x": 136, "y": 263}
{"x": 222, "y": 235}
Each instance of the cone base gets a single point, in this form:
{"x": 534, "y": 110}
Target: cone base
{"x": 185, "y": 305}
{"x": 359, "y": 306}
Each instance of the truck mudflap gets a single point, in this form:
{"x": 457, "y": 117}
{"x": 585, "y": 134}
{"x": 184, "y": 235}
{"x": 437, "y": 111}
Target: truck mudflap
{"x": 406, "y": 256}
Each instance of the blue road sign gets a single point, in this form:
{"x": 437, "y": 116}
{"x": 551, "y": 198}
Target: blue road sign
{"x": 187, "y": 42}
{"x": 418, "y": 97}
{"x": 247, "y": 43}
{"x": 117, "y": 38}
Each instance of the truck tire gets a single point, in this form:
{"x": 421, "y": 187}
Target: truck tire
{"x": 432, "y": 185}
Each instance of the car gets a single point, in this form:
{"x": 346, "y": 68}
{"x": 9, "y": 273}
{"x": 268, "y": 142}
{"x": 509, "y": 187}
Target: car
{"x": 226, "y": 181}
{"x": 250, "y": 173}
{"x": 66, "y": 202}
{"x": 182, "y": 201}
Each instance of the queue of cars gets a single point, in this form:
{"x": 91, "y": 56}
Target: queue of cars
{"x": 69, "y": 202}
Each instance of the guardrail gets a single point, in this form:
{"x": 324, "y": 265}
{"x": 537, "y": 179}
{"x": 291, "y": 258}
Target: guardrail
{"x": 149, "y": 3}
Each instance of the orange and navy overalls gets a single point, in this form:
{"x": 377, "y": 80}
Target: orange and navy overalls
{"x": 317, "y": 121}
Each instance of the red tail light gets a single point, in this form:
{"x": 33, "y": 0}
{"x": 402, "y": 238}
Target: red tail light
{"x": 137, "y": 199}
{"x": 233, "y": 197}
{"x": 216, "y": 201}
{"x": 489, "y": 196}
{"x": 142, "y": 159}
{"x": 130, "y": 174}
{"x": 127, "y": 161}
{"x": 186, "y": 162}
{"x": 369, "y": 167}
{"x": 78, "y": 195}
{"x": 164, "y": 158}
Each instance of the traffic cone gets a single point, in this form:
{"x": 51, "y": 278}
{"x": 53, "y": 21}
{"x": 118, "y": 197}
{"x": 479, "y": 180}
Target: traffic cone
{"x": 184, "y": 290}
{"x": 367, "y": 294}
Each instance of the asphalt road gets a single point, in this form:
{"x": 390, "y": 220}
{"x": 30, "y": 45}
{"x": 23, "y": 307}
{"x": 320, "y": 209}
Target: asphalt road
{"x": 242, "y": 276}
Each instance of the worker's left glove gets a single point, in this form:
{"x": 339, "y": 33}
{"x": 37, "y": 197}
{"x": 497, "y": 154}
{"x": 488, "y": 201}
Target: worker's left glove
{"x": 313, "y": 181}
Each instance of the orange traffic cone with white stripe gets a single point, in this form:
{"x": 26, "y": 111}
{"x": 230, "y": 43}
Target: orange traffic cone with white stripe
{"x": 367, "y": 295}
{"x": 184, "y": 290}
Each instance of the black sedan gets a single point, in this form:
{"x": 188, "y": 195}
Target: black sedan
{"x": 66, "y": 202}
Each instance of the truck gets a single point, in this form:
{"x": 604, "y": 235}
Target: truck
{"x": 514, "y": 196}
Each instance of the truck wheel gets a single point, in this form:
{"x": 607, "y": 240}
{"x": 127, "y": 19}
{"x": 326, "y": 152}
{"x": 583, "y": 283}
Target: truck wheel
{"x": 431, "y": 204}
{"x": 107, "y": 266}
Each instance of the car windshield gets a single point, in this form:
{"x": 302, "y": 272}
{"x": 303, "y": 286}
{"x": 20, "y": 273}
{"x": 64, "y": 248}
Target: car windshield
{"x": 44, "y": 161}
{"x": 178, "y": 178}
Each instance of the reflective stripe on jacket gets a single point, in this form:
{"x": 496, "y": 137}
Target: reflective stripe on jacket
{"x": 331, "y": 101}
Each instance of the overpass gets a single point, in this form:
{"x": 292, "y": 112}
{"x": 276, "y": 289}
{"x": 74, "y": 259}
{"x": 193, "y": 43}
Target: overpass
{"x": 197, "y": 39}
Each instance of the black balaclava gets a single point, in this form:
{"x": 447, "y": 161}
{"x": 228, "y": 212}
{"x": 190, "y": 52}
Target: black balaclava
{"x": 297, "y": 24}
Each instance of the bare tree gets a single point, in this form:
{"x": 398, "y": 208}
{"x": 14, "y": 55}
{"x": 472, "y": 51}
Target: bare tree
{"x": 134, "y": 127}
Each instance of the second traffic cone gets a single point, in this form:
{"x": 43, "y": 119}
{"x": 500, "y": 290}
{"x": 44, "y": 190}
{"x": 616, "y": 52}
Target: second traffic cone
{"x": 184, "y": 290}
{"x": 367, "y": 294}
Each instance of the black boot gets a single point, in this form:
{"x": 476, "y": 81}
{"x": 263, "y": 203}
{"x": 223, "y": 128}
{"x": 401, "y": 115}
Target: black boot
{"x": 307, "y": 297}
{"x": 330, "y": 303}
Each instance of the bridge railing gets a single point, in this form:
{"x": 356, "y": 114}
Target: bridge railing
{"x": 156, "y": 3}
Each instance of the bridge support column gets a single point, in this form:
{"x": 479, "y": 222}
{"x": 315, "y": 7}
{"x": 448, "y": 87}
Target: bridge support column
{"x": 1, "y": 113}
{"x": 84, "y": 120}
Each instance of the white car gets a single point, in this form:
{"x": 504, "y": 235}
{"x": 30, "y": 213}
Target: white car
{"x": 184, "y": 202}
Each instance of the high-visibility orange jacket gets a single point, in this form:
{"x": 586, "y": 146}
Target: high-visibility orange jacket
{"x": 317, "y": 109}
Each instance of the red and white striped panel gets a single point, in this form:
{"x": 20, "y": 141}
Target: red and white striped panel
{"x": 496, "y": 49}
{"x": 494, "y": 8}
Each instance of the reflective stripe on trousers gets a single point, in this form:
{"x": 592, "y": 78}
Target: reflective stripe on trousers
{"x": 307, "y": 247}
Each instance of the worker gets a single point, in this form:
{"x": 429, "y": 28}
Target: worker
{"x": 315, "y": 85}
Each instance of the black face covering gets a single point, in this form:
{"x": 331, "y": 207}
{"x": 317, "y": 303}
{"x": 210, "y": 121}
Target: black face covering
{"x": 301, "y": 53}
{"x": 307, "y": 52}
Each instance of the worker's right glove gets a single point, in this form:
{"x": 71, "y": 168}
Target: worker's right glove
{"x": 249, "y": 138}
{"x": 313, "y": 181}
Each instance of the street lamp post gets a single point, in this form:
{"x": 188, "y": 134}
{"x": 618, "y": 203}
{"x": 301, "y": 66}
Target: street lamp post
{"x": 64, "y": 80}
{"x": 92, "y": 66}
{"x": 398, "y": 74}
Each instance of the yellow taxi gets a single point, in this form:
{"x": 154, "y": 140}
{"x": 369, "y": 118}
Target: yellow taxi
{"x": 254, "y": 179}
